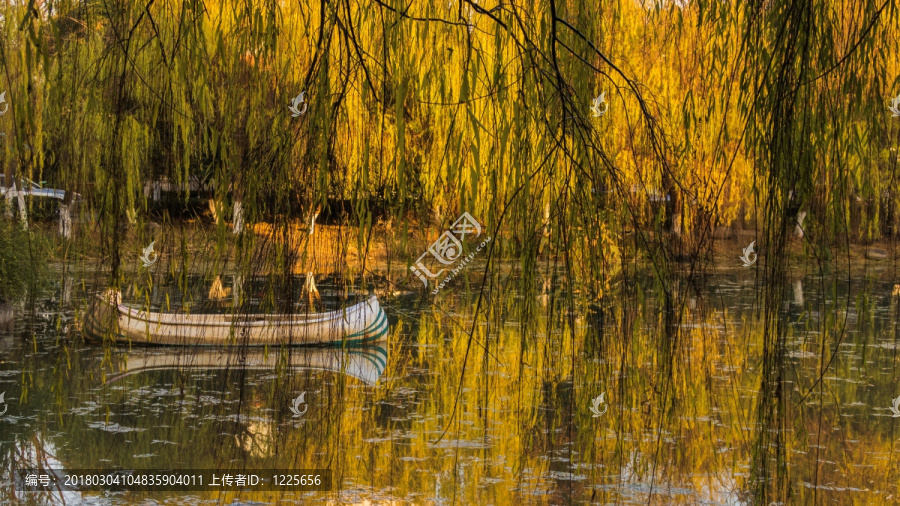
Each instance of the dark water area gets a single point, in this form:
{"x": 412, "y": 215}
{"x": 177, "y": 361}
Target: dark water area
{"x": 511, "y": 409}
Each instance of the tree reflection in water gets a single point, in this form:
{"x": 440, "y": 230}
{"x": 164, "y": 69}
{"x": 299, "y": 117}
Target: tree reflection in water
{"x": 682, "y": 378}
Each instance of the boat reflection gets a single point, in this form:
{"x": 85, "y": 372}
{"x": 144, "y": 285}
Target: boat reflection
{"x": 364, "y": 363}
{"x": 206, "y": 408}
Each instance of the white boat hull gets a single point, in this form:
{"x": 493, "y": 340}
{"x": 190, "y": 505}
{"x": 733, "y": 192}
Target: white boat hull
{"x": 108, "y": 319}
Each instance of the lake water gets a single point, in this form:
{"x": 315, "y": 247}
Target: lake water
{"x": 631, "y": 401}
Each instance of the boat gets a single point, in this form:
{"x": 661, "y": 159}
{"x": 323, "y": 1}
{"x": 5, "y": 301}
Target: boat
{"x": 365, "y": 363}
{"x": 109, "y": 319}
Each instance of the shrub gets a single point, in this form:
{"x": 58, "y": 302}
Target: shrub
{"x": 17, "y": 259}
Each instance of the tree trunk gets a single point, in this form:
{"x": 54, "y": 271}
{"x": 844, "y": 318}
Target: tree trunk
{"x": 797, "y": 285}
{"x": 238, "y": 217}
{"x": 798, "y": 230}
{"x": 23, "y": 211}
{"x": 65, "y": 215}
{"x": 237, "y": 284}
{"x": 65, "y": 221}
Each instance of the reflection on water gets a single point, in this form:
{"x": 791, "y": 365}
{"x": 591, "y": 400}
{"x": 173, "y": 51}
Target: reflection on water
{"x": 363, "y": 363}
{"x": 454, "y": 408}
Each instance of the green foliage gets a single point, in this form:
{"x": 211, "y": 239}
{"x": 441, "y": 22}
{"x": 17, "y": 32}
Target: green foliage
{"x": 18, "y": 262}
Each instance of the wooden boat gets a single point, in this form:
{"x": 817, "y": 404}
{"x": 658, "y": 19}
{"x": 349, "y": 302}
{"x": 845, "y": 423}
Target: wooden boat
{"x": 365, "y": 363}
{"x": 108, "y": 318}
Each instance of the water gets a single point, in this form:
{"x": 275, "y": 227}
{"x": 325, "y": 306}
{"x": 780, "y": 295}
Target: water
{"x": 493, "y": 410}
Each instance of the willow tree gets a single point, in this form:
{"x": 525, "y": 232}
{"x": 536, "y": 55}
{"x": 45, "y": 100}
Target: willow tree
{"x": 718, "y": 112}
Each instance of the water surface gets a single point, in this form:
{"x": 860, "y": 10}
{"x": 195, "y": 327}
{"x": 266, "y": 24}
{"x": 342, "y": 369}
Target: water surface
{"x": 490, "y": 410}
